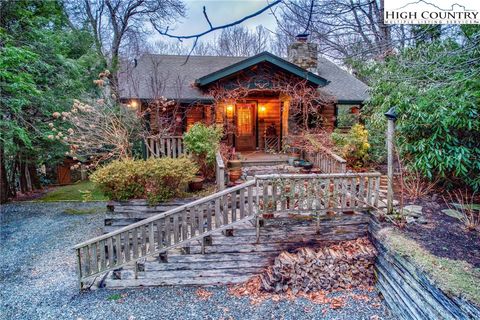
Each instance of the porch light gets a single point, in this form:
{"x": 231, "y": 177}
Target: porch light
{"x": 262, "y": 109}
{"x": 134, "y": 104}
{"x": 230, "y": 111}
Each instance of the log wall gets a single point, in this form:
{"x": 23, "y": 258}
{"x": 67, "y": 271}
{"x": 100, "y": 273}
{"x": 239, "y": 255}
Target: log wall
{"x": 409, "y": 292}
{"x": 270, "y": 116}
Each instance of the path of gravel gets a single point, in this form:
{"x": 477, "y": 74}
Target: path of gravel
{"x": 38, "y": 279}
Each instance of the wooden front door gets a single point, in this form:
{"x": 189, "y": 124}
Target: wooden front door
{"x": 245, "y": 139}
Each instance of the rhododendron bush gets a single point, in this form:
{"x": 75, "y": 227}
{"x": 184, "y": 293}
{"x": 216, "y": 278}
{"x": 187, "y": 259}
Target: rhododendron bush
{"x": 98, "y": 130}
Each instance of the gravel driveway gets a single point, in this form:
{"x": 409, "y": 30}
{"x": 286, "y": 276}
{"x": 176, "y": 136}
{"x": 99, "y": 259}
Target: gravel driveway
{"x": 38, "y": 278}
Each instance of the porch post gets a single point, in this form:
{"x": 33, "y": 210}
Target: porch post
{"x": 391, "y": 117}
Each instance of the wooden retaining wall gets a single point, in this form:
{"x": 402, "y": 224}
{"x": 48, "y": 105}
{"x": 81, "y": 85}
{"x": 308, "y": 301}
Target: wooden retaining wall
{"x": 409, "y": 292}
{"x": 124, "y": 213}
{"x": 235, "y": 256}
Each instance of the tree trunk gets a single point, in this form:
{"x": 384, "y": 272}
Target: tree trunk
{"x": 21, "y": 176}
{"x": 386, "y": 36}
{"x": 114, "y": 67}
{"x": 4, "y": 187}
{"x": 32, "y": 170}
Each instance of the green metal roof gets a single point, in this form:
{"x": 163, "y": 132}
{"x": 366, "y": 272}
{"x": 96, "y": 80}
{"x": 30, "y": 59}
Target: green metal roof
{"x": 261, "y": 57}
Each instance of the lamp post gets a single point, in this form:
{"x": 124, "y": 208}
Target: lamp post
{"x": 391, "y": 118}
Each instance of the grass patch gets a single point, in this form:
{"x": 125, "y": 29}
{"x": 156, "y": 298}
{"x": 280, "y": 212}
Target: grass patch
{"x": 74, "y": 192}
{"x": 114, "y": 297}
{"x": 81, "y": 211}
{"x": 453, "y": 276}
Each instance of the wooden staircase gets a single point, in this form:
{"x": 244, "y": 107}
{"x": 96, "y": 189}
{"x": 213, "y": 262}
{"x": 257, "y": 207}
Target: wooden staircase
{"x": 216, "y": 230}
{"x": 235, "y": 256}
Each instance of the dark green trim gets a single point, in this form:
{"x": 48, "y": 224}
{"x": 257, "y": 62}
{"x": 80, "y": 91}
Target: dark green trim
{"x": 261, "y": 57}
{"x": 181, "y": 100}
{"x": 193, "y": 100}
{"x": 353, "y": 102}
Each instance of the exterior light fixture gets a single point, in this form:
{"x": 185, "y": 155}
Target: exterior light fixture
{"x": 391, "y": 114}
{"x": 134, "y": 104}
{"x": 230, "y": 111}
{"x": 262, "y": 109}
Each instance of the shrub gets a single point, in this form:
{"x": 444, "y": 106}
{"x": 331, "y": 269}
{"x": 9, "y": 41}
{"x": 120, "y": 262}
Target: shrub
{"x": 168, "y": 177}
{"x": 203, "y": 142}
{"x": 345, "y": 117}
{"x": 353, "y": 145}
{"x": 437, "y": 98}
{"x": 156, "y": 179}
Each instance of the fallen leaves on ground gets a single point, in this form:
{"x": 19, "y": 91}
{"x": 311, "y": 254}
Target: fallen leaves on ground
{"x": 252, "y": 289}
{"x": 203, "y": 294}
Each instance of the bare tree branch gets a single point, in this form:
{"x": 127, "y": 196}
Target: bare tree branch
{"x": 212, "y": 29}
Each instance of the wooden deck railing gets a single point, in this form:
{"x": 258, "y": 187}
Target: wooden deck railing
{"x": 196, "y": 220}
{"x": 168, "y": 146}
{"x": 219, "y": 171}
{"x": 327, "y": 161}
{"x": 318, "y": 193}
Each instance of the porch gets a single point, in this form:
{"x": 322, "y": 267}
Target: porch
{"x": 256, "y": 123}
{"x": 324, "y": 160}
{"x": 261, "y": 158}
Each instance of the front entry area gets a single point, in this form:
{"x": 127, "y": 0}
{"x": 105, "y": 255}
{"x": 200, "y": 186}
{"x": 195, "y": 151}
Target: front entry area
{"x": 246, "y": 126}
{"x": 253, "y": 124}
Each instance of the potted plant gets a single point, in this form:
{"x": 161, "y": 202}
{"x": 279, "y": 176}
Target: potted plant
{"x": 234, "y": 174}
{"x": 196, "y": 184}
{"x": 293, "y": 155}
{"x": 235, "y": 164}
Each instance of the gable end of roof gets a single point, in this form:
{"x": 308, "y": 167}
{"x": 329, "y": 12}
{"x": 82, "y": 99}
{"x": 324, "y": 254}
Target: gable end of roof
{"x": 261, "y": 57}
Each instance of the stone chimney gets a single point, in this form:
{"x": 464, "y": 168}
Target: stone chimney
{"x": 303, "y": 53}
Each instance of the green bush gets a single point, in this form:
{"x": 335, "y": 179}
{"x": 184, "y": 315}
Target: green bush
{"x": 437, "y": 95}
{"x": 156, "y": 179}
{"x": 202, "y": 142}
{"x": 353, "y": 145}
{"x": 346, "y": 119}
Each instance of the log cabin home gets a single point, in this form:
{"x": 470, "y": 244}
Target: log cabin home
{"x": 259, "y": 100}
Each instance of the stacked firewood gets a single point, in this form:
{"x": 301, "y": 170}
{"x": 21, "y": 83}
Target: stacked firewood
{"x": 344, "y": 265}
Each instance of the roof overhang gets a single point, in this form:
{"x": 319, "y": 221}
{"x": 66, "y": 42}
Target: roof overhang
{"x": 261, "y": 57}
{"x": 352, "y": 102}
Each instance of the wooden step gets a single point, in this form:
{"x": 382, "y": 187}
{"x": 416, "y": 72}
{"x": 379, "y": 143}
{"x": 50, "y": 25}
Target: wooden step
{"x": 264, "y": 163}
{"x": 156, "y": 282}
{"x": 256, "y": 262}
{"x": 234, "y": 259}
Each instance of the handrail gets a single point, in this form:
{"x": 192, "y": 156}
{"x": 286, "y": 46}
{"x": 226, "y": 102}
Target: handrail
{"x": 164, "y": 231}
{"x": 326, "y": 160}
{"x": 167, "y": 213}
{"x": 318, "y": 175}
{"x": 314, "y": 193}
{"x": 219, "y": 171}
{"x": 317, "y": 193}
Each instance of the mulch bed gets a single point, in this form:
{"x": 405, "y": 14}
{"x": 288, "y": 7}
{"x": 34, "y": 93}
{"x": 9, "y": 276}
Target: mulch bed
{"x": 443, "y": 235}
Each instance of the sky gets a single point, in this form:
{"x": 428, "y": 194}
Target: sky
{"x": 220, "y": 12}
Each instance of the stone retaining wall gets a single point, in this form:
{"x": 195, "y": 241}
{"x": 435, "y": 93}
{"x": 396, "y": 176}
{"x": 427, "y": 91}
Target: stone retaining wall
{"x": 409, "y": 292}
